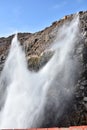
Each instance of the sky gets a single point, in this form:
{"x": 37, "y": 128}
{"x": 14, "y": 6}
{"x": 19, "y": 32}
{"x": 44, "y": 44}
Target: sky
{"x": 34, "y": 15}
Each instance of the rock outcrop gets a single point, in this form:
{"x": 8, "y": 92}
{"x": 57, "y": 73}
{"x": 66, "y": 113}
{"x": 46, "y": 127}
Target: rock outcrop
{"x": 35, "y": 45}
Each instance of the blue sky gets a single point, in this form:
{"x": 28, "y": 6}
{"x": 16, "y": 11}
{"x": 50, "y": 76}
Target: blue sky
{"x": 34, "y": 15}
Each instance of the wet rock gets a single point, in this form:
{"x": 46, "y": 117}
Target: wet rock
{"x": 85, "y": 99}
{"x": 84, "y": 83}
{"x": 85, "y": 104}
{"x": 81, "y": 87}
{"x": 33, "y": 62}
{"x": 2, "y": 57}
{"x": 37, "y": 55}
{"x": 45, "y": 57}
{"x": 36, "y": 62}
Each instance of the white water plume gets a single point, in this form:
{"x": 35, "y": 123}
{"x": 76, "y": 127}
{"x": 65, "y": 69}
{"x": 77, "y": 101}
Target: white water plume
{"x": 23, "y": 93}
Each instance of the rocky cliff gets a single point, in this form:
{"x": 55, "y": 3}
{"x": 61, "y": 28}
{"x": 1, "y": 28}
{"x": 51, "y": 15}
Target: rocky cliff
{"x": 35, "y": 45}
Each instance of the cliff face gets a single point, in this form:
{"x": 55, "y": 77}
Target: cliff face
{"x": 34, "y": 45}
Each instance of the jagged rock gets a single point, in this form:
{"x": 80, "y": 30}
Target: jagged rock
{"x": 35, "y": 45}
{"x": 33, "y": 62}
{"x": 82, "y": 87}
{"x": 44, "y": 57}
{"x": 36, "y": 62}
{"x": 85, "y": 104}
{"x": 85, "y": 99}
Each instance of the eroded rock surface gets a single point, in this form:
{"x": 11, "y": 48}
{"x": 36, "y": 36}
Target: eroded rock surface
{"x": 35, "y": 45}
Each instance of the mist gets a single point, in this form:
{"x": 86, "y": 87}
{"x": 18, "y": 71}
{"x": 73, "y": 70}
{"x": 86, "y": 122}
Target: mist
{"x": 26, "y": 96}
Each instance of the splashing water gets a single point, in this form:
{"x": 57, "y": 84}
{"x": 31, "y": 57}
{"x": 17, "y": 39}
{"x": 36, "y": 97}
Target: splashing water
{"x": 23, "y": 93}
